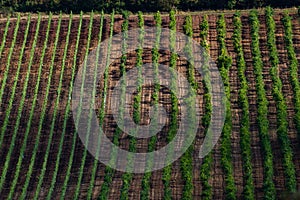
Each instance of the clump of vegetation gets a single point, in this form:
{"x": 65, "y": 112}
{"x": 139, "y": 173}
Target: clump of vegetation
{"x": 137, "y": 5}
{"x": 262, "y": 118}
{"x": 224, "y": 64}
{"x": 248, "y": 192}
{"x": 282, "y": 123}
{"x": 293, "y": 67}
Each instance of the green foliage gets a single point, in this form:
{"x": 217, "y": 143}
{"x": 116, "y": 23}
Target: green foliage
{"x": 155, "y": 56}
{"x": 157, "y": 18}
{"x": 71, "y": 157}
{"x": 10, "y": 106}
{"x": 77, "y": 190}
{"x": 166, "y": 178}
{"x": 186, "y": 161}
{"x": 44, "y": 166}
{"x": 105, "y": 76}
{"x": 108, "y": 171}
{"x": 188, "y": 50}
{"x": 61, "y": 141}
{"x": 28, "y": 126}
{"x": 172, "y": 16}
{"x": 282, "y": 124}
{"x": 4, "y": 35}
{"x": 205, "y": 168}
{"x": 231, "y": 4}
{"x": 135, "y": 6}
{"x": 262, "y": 118}
{"x": 106, "y": 184}
{"x": 42, "y": 117}
{"x": 137, "y": 107}
{"x": 95, "y": 164}
{"x": 224, "y": 64}
{"x": 127, "y": 177}
{"x": 204, "y": 26}
{"x": 293, "y": 62}
{"x": 248, "y": 192}
{"x": 5, "y": 75}
{"x": 188, "y": 26}
{"x": 152, "y": 142}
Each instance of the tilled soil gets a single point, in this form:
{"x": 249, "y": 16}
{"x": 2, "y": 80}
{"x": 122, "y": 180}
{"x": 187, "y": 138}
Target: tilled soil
{"x": 109, "y": 127}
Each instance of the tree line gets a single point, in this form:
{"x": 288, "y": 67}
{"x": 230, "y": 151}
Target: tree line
{"x": 138, "y": 5}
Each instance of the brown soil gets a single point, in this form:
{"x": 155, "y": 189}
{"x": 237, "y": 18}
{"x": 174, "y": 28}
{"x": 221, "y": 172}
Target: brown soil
{"x": 156, "y": 184}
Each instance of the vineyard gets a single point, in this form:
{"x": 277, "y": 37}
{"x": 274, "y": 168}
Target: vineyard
{"x": 257, "y": 156}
